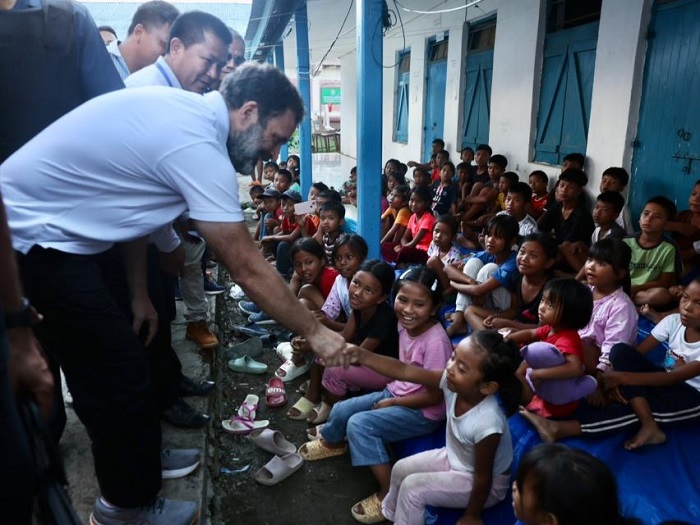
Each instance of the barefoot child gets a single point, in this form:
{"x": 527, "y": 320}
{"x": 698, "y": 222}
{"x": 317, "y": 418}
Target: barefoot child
{"x": 486, "y": 276}
{"x": 565, "y": 308}
{"x": 395, "y": 218}
{"x": 535, "y": 259}
{"x": 653, "y": 395}
{"x": 472, "y": 470}
{"x": 403, "y": 409}
{"x": 413, "y": 247}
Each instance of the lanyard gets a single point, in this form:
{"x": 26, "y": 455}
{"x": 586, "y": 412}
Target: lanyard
{"x": 165, "y": 74}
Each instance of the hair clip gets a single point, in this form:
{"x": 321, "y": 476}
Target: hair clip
{"x": 404, "y": 274}
{"x": 434, "y": 286}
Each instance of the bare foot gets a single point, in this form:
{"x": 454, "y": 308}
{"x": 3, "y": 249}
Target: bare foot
{"x": 546, "y": 429}
{"x": 647, "y": 435}
{"x": 648, "y": 312}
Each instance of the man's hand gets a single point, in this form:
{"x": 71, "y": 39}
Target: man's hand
{"x": 173, "y": 263}
{"x": 143, "y": 312}
{"x": 28, "y": 368}
{"x": 329, "y": 346}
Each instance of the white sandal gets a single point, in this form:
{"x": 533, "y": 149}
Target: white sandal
{"x": 290, "y": 371}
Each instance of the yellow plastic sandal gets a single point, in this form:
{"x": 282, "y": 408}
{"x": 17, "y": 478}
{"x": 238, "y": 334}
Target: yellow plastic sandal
{"x": 371, "y": 510}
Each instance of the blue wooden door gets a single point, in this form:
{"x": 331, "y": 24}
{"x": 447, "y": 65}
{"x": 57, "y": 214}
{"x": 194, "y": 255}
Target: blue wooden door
{"x": 666, "y": 159}
{"x": 565, "y": 94}
{"x": 477, "y": 99}
{"x": 434, "y": 117}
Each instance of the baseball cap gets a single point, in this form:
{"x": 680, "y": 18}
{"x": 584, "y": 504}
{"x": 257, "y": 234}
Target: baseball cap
{"x": 292, "y": 195}
{"x": 271, "y": 192}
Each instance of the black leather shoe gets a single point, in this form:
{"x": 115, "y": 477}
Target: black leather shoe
{"x": 182, "y": 415}
{"x": 189, "y": 387}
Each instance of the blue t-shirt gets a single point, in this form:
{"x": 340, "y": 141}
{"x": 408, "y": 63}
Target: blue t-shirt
{"x": 507, "y": 271}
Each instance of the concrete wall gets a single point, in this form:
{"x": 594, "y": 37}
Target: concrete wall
{"x": 517, "y": 73}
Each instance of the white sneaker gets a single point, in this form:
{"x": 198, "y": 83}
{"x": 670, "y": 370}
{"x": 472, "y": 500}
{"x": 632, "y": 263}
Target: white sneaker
{"x": 236, "y": 292}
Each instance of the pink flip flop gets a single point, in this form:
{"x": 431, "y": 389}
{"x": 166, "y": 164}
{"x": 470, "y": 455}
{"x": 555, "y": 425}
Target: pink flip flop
{"x": 275, "y": 395}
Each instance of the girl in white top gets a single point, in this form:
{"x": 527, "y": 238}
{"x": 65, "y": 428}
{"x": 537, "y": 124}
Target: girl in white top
{"x": 473, "y": 470}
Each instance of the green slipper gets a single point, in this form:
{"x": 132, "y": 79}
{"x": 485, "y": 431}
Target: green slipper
{"x": 247, "y": 365}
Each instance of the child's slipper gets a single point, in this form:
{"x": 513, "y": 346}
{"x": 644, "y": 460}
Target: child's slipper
{"x": 304, "y": 386}
{"x": 275, "y": 395}
{"x": 304, "y": 407}
{"x": 242, "y": 425}
{"x": 278, "y": 469}
{"x": 284, "y": 351}
{"x": 247, "y": 365}
{"x": 319, "y": 414}
{"x": 289, "y": 371}
{"x": 371, "y": 510}
{"x": 249, "y": 407}
{"x": 317, "y": 433}
{"x": 272, "y": 441}
{"x": 316, "y": 450}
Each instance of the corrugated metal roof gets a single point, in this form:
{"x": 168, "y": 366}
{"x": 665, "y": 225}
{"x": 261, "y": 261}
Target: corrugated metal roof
{"x": 118, "y": 14}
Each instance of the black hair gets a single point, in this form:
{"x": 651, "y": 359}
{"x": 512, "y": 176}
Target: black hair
{"x": 450, "y": 221}
{"x": 579, "y": 158}
{"x": 618, "y": 255}
{"x": 462, "y": 166}
{"x": 425, "y": 277}
{"x": 110, "y": 29}
{"x": 421, "y": 170}
{"x": 286, "y": 174}
{"x": 403, "y": 191}
{"x": 467, "y": 148}
{"x": 266, "y": 85}
{"x": 443, "y": 152}
{"x": 353, "y": 170}
{"x": 381, "y": 271}
{"x": 271, "y": 164}
{"x": 484, "y": 147}
{"x": 439, "y": 141}
{"x": 451, "y": 165}
{"x": 255, "y": 188}
{"x": 154, "y": 14}
{"x": 402, "y": 169}
{"x": 334, "y": 207}
{"x": 423, "y": 193}
{"x": 295, "y": 157}
{"x": 399, "y": 177}
{"x": 330, "y": 195}
{"x": 504, "y": 227}
{"x": 572, "y": 300}
{"x": 510, "y": 176}
{"x": 394, "y": 162}
{"x": 190, "y": 27}
{"x": 499, "y": 160}
{"x": 548, "y": 243}
{"x": 499, "y": 365}
{"x": 614, "y": 198}
{"x": 540, "y": 175}
{"x": 619, "y": 174}
{"x": 521, "y": 188}
{"x": 308, "y": 245}
{"x": 666, "y": 204}
{"x": 355, "y": 242}
{"x": 320, "y": 187}
{"x": 574, "y": 175}
{"x": 574, "y": 486}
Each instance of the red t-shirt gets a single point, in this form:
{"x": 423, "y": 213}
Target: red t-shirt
{"x": 416, "y": 224}
{"x": 539, "y": 203}
{"x": 326, "y": 280}
{"x": 312, "y": 221}
{"x": 435, "y": 175}
{"x": 567, "y": 342}
{"x": 288, "y": 225}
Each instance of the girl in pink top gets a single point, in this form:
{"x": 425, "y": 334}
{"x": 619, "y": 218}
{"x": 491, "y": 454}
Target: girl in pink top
{"x": 614, "y": 318}
{"x": 403, "y": 409}
{"x": 419, "y": 232}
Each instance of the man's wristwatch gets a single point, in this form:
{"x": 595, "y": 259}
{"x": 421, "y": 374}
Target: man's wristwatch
{"x": 21, "y": 318}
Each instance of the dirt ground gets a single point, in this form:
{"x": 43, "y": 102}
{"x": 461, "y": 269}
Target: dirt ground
{"x": 321, "y": 493}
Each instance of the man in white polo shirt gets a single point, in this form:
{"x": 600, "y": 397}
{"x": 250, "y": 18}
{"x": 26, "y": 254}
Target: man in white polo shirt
{"x": 78, "y": 188}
